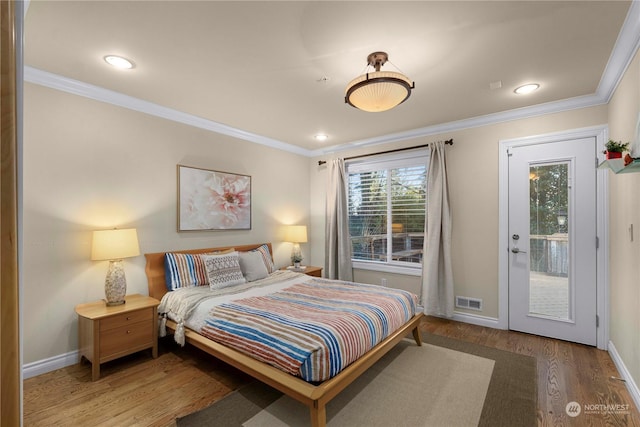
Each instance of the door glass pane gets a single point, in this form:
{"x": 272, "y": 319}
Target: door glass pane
{"x": 549, "y": 240}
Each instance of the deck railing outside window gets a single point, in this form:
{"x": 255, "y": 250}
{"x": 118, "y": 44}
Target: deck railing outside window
{"x": 406, "y": 247}
{"x": 550, "y": 254}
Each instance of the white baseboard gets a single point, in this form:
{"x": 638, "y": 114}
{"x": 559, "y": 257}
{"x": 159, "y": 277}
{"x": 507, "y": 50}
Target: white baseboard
{"x": 474, "y": 319}
{"x": 624, "y": 373}
{"x": 51, "y": 364}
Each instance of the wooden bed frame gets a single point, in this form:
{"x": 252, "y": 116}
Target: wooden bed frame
{"x": 314, "y": 396}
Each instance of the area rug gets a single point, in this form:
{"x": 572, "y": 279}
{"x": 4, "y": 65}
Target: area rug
{"x": 443, "y": 383}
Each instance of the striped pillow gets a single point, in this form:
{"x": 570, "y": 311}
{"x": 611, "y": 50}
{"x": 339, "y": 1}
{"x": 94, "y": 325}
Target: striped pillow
{"x": 266, "y": 257}
{"x": 184, "y": 270}
{"x": 223, "y": 270}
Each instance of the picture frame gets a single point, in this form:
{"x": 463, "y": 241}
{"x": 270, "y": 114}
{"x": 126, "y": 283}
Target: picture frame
{"x": 210, "y": 200}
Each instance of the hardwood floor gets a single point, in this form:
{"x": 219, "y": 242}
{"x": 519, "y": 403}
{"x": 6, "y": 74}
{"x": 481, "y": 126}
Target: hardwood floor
{"x": 140, "y": 391}
{"x": 567, "y": 372}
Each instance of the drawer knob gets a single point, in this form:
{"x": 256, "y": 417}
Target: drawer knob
{"x": 128, "y": 332}
{"x": 128, "y": 318}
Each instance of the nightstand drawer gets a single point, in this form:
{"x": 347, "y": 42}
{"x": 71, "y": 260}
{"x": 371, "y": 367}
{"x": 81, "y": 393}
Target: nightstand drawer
{"x": 124, "y": 339}
{"x": 124, "y": 319}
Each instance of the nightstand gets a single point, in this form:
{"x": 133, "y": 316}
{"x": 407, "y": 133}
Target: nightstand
{"x": 309, "y": 270}
{"x": 107, "y": 333}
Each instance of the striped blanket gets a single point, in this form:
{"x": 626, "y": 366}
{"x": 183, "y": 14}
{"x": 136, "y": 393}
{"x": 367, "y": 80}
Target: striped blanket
{"x": 312, "y": 329}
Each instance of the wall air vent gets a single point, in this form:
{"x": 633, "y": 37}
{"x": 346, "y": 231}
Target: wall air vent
{"x": 469, "y": 303}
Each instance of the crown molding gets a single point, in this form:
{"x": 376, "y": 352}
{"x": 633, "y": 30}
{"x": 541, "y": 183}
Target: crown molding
{"x": 97, "y": 93}
{"x": 621, "y": 56}
{"x": 474, "y": 122}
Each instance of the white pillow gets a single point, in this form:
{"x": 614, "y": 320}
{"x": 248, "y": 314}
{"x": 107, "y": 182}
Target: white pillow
{"x": 223, "y": 270}
{"x": 252, "y": 266}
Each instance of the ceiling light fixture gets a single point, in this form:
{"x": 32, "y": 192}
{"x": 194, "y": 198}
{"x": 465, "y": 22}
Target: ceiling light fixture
{"x": 321, "y": 137}
{"x": 118, "y": 62}
{"x": 379, "y": 90}
{"x": 528, "y": 88}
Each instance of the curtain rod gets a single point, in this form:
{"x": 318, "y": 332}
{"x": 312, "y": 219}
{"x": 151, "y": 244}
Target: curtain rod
{"x": 448, "y": 142}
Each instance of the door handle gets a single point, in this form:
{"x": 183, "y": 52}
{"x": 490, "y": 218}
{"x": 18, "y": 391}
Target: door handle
{"x": 517, "y": 251}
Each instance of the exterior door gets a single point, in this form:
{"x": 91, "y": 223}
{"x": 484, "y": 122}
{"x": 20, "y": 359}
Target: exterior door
{"x": 552, "y": 240}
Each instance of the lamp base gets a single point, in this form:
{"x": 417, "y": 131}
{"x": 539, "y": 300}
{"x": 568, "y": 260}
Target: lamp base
{"x": 111, "y": 304}
{"x": 296, "y": 255}
{"x": 115, "y": 285}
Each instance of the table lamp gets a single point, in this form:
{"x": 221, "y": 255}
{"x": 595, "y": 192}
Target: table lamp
{"x": 114, "y": 245}
{"x": 296, "y": 234}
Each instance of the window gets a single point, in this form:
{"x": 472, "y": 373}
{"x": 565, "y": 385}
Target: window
{"x": 387, "y": 211}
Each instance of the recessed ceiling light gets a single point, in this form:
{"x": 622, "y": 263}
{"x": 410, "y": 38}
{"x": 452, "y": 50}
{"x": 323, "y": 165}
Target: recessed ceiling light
{"x": 528, "y": 88}
{"x": 321, "y": 137}
{"x": 118, "y": 62}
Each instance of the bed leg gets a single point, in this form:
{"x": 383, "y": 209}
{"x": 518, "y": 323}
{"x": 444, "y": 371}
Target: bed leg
{"x": 416, "y": 336}
{"x": 318, "y": 414}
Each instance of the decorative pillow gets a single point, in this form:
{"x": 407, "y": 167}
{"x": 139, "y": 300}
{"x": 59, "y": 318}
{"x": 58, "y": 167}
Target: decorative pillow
{"x": 252, "y": 266}
{"x": 223, "y": 270}
{"x": 184, "y": 270}
{"x": 266, "y": 257}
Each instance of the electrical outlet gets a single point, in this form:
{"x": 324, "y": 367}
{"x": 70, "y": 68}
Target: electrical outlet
{"x": 383, "y": 281}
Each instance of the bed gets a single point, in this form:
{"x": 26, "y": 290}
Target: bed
{"x": 314, "y": 395}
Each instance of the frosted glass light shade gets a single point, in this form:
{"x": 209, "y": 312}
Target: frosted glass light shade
{"x": 114, "y": 244}
{"x": 378, "y": 91}
{"x": 295, "y": 234}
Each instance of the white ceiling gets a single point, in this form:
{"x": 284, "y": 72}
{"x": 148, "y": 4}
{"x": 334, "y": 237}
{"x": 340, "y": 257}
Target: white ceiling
{"x": 257, "y": 70}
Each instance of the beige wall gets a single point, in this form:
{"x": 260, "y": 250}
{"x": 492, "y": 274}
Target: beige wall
{"x": 473, "y": 187}
{"x": 90, "y": 165}
{"x": 624, "y": 211}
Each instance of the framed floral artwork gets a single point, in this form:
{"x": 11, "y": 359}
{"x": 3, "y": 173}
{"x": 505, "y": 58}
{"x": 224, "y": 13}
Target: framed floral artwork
{"x": 213, "y": 200}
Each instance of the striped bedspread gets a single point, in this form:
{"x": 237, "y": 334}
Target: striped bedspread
{"x": 312, "y": 329}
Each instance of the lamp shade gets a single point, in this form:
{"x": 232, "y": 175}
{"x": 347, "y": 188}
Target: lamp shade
{"x": 295, "y": 234}
{"x": 114, "y": 244}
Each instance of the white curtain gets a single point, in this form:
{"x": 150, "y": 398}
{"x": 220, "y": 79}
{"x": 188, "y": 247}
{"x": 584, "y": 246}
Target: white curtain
{"x": 337, "y": 264}
{"x": 437, "y": 274}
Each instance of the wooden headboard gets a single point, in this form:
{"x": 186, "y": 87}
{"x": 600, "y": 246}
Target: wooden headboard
{"x": 155, "y": 265}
